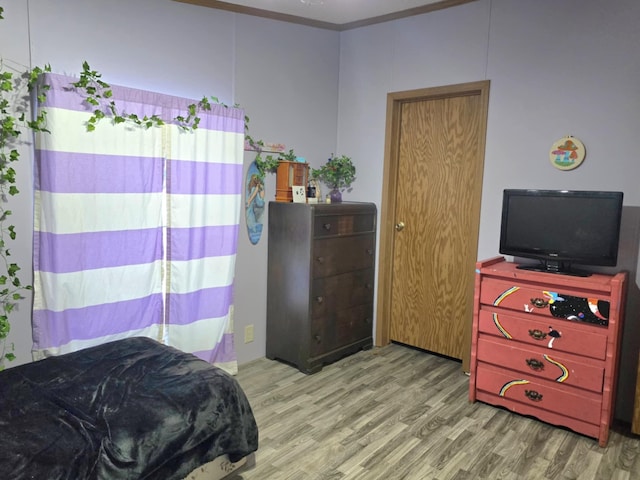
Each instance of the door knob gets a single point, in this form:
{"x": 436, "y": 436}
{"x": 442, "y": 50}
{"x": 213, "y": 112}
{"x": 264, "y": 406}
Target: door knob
{"x": 399, "y": 226}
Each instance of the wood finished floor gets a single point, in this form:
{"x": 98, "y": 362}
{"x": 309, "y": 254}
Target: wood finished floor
{"x": 398, "y": 413}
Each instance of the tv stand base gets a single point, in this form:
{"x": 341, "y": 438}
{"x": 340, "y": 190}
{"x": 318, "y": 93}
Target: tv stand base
{"x": 560, "y": 271}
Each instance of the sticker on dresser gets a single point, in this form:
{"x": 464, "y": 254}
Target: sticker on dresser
{"x": 559, "y": 305}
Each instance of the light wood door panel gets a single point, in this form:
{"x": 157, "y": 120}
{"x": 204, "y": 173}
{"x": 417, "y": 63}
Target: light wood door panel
{"x": 436, "y": 159}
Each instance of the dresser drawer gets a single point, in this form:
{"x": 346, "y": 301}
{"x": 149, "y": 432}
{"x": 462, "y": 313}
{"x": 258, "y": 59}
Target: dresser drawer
{"x": 551, "y": 334}
{"x": 545, "y": 302}
{"x": 565, "y": 401}
{"x": 340, "y": 328}
{"x": 330, "y": 294}
{"x": 540, "y": 362}
{"x": 326, "y": 225}
{"x": 333, "y": 256}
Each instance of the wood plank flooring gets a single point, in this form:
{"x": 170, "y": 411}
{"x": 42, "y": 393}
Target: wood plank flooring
{"x": 398, "y": 413}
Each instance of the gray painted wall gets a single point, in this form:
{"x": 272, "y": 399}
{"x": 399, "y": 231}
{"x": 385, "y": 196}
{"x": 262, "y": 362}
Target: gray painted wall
{"x": 556, "y": 67}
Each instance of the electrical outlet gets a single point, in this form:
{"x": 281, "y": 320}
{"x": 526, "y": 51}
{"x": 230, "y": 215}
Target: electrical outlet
{"x": 248, "y": 334}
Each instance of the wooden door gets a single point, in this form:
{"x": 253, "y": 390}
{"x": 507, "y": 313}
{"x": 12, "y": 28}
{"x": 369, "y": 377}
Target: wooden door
{"x": 431, "y": 211}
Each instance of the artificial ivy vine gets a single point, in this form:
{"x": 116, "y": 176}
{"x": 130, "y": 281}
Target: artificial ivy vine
{"x": 98, "y": 93}
{"x": 14, "y": 105}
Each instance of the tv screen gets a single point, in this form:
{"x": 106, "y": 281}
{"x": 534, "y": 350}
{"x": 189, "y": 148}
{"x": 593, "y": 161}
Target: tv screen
{"x": 561, "y": 227}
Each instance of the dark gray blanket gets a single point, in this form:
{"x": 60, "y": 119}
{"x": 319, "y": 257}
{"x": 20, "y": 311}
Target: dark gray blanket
{"x": 129, "y": 409}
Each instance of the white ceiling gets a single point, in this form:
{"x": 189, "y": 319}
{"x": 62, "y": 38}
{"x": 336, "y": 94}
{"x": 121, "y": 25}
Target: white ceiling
{"x": 336, "y": 14}
{"x": 334, "y": 11}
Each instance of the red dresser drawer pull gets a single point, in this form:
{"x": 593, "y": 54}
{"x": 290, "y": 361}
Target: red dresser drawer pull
{"x": 537, "y": 334}
{"x": 533, "y": 395}
{"x": 534, "y": 364}
{"x": 540, "y": 302}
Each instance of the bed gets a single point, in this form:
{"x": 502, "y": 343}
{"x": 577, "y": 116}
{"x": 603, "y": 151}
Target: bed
{"x": 129, "y": 409}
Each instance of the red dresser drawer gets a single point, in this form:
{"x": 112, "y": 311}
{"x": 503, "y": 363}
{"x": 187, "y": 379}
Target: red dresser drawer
{"x": 561, "y": 368}
{"x": 564, "y": 401}
{"x": 542, "y": 301}
{"x": 553, "y": 334}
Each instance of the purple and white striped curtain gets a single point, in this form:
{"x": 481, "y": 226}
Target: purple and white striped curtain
{"x": 135, "y": 230}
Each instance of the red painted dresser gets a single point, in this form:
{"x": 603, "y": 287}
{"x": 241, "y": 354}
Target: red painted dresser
{"x": 547, "y": 345}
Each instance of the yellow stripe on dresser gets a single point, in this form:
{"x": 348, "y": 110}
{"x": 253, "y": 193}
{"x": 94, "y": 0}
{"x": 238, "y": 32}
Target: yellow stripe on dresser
{"x": 510, "y": 384}
{"x": 499, "y": 326}
{"x": 565, "y": 371}
{"x": 504, "y": 295}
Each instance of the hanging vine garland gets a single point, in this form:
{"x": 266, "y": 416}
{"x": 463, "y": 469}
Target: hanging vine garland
{"x": 14, "y": 105}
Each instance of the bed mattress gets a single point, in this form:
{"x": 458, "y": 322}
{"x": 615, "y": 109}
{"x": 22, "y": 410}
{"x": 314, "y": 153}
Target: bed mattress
{"x": 130, "y": 409}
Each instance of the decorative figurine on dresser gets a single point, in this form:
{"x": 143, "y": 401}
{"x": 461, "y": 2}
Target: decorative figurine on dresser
{"x": 320, "y": 282}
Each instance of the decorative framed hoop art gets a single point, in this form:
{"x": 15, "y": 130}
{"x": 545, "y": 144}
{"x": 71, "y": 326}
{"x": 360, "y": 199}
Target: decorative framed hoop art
{"x": 567, "y": 153}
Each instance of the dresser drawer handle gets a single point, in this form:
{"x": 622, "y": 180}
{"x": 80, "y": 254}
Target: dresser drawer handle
{"x": 319, "y": 299}
{"x": 320, "y": 259}
{"x": 537, "y": 334}
{"x": 539, "y": 302}
{"x": 533, "y": 395}
{"x": 534, "y": 364}
{"x": 326, "y": 226}
{"x": 369, "y": 251}
{"x": 317, "y": 338}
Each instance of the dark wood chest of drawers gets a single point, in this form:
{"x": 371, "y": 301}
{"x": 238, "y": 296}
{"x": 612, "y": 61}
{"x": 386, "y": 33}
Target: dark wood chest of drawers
{"x": 320, "y": 282}
{"x": 547, "y": 345}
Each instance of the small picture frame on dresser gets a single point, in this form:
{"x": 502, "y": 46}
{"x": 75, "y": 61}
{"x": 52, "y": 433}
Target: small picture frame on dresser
{"x": 299, "y": 195}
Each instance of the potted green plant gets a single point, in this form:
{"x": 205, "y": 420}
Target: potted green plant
{"x": 338, "y": 174}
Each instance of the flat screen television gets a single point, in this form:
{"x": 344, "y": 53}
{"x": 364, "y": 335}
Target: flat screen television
{"x": 560, "y": 228}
